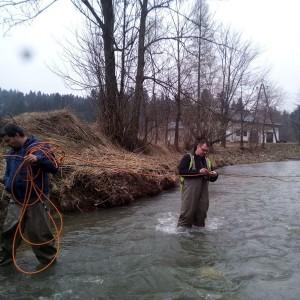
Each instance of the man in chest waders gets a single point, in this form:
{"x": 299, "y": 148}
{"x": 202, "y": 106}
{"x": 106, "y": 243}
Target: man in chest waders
{"x": 35, "y": 221}
{"x": 195, "y": 172}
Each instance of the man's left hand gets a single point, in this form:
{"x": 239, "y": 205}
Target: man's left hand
{"x": 30, "y": 159}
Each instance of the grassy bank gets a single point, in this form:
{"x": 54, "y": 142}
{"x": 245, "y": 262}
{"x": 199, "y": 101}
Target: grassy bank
{"x": 97, "y": 174}
{"x": 232, "y": 155}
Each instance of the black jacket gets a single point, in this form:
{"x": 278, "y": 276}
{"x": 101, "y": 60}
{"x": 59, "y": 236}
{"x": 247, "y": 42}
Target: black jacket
{"x": 200, "y": 163}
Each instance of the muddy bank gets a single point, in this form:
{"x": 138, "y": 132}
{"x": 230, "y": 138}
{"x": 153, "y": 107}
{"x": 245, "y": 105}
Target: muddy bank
{"x": 88, "y": 191}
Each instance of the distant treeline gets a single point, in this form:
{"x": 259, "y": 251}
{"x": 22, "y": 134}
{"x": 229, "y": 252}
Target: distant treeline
{"x": 156, "y": 120}
{"x": 13, "y": 102}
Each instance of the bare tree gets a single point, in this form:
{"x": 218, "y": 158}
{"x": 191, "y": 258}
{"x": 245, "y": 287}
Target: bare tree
{"x": 204, "y": 58}
{"x": 131, "y": 49}
{"x": 235, "y": 60}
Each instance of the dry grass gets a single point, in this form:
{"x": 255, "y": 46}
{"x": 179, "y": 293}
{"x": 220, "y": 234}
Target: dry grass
{"x": 233, "y": 155}
{"x": 59, "y": 127}
{"x": 97, "y": 173}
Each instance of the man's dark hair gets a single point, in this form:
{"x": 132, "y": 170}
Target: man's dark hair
{"x": 11, "y": 130}
{"x": 200, "y": 141}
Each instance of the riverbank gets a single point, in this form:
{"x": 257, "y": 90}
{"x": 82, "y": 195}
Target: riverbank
{"x": 97, "y": 174}
{"x": 233, "y": 155}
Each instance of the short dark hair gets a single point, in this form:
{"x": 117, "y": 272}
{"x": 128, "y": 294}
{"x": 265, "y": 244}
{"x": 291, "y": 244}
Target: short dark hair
{"x": 200, "y": 141}
{"x": 11, "y": 130}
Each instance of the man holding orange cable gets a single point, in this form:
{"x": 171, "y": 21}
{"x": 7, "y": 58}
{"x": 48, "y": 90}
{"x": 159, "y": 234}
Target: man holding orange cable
{"x": 26, "y": 179}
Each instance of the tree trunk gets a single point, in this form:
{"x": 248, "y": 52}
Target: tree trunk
{"x": 139, "y": 76}
{"x": 224, "y": 126}
{"x": 198, "y": 124}
{"x": 177, "y": 122}
{"x": 178, "y": 96}
{"x": 111, "y": 122}
{"x": 242, "y": 136}
{"x": 242, "y": 125}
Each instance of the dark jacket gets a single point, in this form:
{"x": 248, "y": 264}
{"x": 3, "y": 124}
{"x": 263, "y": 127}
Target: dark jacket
{"x": 40, "y": 171}
{"x": 200, "y": 162}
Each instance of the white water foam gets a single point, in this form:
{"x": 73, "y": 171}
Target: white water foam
{"x": 214, "y": 223}
{"x": 167, "y": 223}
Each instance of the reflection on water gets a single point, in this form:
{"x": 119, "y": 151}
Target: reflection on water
{"x": 250, "y": 248}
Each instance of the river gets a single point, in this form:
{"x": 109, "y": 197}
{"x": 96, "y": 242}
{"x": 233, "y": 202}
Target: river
{"x": 250, "y": 248}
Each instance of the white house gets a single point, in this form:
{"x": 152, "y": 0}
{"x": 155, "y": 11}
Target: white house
{"x": 257, "y": 132}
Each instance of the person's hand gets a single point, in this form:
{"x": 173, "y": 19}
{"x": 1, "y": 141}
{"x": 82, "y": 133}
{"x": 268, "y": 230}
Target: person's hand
{"x": 30, "y": 159}
{"x": 213, "y": 174}
{"x": 204, "y": 171}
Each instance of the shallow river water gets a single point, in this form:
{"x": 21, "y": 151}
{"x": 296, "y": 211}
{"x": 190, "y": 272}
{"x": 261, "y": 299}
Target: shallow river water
{"x": 250, "y": 248}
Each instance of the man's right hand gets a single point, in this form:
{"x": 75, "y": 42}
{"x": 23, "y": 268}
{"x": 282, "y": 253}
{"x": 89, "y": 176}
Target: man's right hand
{"x": 204, "y": 171}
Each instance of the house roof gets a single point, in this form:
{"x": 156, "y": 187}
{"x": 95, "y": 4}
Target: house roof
{"x": 249, "y": 118}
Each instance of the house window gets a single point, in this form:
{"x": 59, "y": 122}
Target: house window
{"x": 238, "y": 133}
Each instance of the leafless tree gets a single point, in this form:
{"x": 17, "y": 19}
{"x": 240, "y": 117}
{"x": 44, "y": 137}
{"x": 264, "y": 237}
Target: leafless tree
{"x": 235, "y": 60}
{"x": 132, "y": 51}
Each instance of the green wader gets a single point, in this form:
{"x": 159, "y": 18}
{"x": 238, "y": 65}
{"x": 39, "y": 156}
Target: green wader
{"x": 194, "y": 198}
{"x": 3, "y": 208}
{"x": 36, "y": 226}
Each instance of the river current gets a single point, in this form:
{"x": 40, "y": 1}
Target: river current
{"x": 250, "y": 248}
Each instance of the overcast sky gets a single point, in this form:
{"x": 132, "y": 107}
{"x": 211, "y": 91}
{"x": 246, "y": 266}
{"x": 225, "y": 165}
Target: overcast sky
{"x": 41, "y": 39}
{"x": 272, "y": 25}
